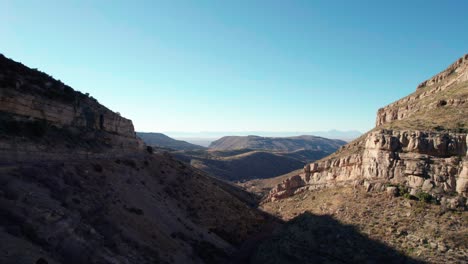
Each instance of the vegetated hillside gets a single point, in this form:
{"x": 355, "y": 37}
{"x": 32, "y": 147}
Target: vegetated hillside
{"x": 161, "y": 140}
{"x": 285, "y": 144}
{"x": 77, "y": 186}
{"x": 246, "y": 164}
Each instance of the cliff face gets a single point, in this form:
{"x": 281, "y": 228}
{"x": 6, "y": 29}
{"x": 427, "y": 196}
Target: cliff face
{"x": 83, "y": 112}
{"x": 441, "y": 92}
{"x": 402, "y": 150}
{"x": 35, "y": 109}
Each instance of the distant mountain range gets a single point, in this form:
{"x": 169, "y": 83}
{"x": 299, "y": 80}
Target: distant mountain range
{"x": 347, "y": 135}
{"x": 236, "y": 158}
{"x": 161, "y": 140}
{"x": 285, "y": 144}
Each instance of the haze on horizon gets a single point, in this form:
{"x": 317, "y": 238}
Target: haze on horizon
{"x": 238, "y": 66}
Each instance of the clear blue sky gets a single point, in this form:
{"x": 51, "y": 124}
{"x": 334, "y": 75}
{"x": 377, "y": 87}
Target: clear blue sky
{"x": 238, "y": 65}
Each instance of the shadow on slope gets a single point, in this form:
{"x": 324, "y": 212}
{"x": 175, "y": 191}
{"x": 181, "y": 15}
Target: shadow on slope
{"x": 311, "y": 238}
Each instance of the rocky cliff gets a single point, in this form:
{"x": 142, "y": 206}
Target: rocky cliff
{"x": 35, "y": 109}
{"x": 420, "y": 143}
{"x": 432, "y": 99}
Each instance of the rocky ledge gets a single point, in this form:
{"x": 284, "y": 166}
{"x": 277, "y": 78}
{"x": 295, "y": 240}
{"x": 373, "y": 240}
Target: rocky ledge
{"x": 39, "y": 114}
{"x": 431, "y": 162}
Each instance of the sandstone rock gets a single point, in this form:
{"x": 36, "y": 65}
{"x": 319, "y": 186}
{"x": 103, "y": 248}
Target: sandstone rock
{"x": 427, "y": 186}
{"x": 39, "y": 104}
{"x": 415, "y": 181}
{"x": 380, "y": 160}
{"x": 392, "y": 191}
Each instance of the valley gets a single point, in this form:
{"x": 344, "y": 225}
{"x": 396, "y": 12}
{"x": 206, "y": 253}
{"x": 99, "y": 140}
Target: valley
{"x": 238, "y": 159}
{"x": 77, "y": 185}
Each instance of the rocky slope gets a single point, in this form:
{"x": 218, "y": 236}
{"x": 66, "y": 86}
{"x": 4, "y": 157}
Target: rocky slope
{"x": 420, "y": 143}
{"x": 161, "y": 140}
{"x": 284, "y": 144}
{"x": 349, "y": 225}
{"x": 42, "y": 118}
{"x": 77, "y": 186}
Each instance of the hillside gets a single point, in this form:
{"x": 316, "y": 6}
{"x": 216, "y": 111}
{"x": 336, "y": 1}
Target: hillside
{"x": 438, "y": 104}
{"x": 247, "y": 164}
{"x": 350, "y": 225}
{"x": 161, "y": 140}
{"x": 284, "y": 144}
{"x": 419, "y": 141}
{"x": 77, "y": 186}
{"x": 404, "y": 183}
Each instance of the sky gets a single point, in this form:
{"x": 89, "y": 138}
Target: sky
{"x": 238, "y": 65}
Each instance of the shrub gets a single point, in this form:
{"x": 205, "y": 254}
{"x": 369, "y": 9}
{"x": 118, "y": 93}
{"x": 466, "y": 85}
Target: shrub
{"x": 407, "y": 196}
{"x": 149, "y": 149}
{"x": 403, "y": 191}
{"x": 424, "y": 197}
{"x": 134, "y": 210}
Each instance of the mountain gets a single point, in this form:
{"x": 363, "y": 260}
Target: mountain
{"x": 161, "y": 140}
{"x": 404, "y": 183}
{"x": 204, "y": 142}
{"x": 285, "y": 144}
{"x": 419, "y": 142}
{"x": 346, "y": 135}
{"x": 78, "y": 186}
{"x": 247, "y": 164}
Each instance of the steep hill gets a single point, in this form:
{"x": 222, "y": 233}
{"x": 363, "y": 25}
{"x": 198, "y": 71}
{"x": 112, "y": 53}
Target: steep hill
{"x": 161, "y": 140}
{"x": 285, "y": 144}
{"x": 77, "y": 186}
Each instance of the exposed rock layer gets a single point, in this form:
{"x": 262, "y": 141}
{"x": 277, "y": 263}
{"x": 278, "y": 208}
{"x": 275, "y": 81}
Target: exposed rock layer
{"x": 420, "y": 101}
{"x": 43, "y": 116}
{"x": 433, "y": 161}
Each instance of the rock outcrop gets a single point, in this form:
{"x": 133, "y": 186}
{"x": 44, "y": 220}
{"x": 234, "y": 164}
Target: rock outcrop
{"x": 36, "y": 109}
{"x": 423, "y": 160}
{"x": 431, "y": 94}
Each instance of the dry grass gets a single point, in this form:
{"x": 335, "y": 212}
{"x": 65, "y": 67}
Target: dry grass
{"x": 421, "y": 230}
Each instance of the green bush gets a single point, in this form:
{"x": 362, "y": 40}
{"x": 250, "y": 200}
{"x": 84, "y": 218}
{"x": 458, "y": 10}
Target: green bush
{"x": 407, "y": 196}
{"x": 403, "y": 191}
{"x": 424, "y": 197}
